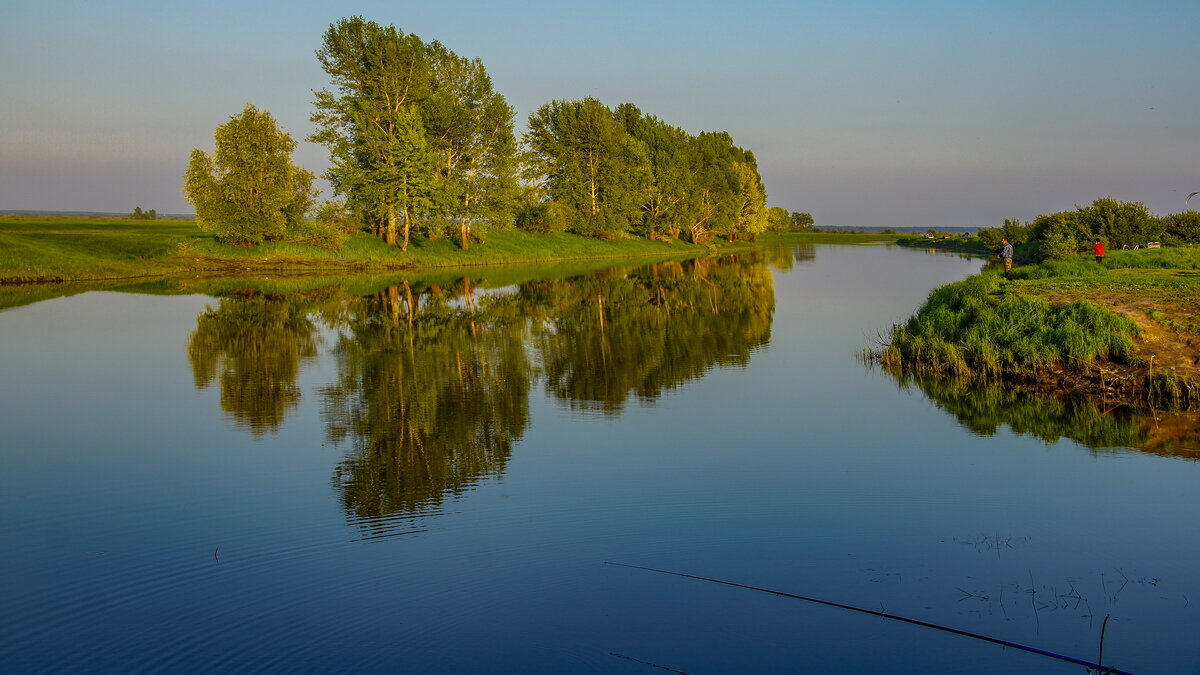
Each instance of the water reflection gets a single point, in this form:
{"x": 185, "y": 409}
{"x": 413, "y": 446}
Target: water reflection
{"x": 433, "y": 380}
{"x": 784, "y": 258}
{"x": 984, "y": 408}
{"x": 431, "y": 393}
{"x": 254, "y": 345}
{"x": 646, "y": 331}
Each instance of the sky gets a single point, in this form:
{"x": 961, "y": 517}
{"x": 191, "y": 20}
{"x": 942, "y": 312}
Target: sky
{"x": 865, "y": 114}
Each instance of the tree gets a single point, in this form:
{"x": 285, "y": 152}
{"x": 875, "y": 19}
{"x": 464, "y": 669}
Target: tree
{"x": 802, "y": 222}
{"x": 752, "y": 200}
{"x": 1119, "y": 224}
{"x": 470, "y": 132}
{"x": 1183, "y": 227}
{"x": 249, "y": 191}
{"x": 590, "y": 164}
{"x": 372, "y": 125}
{"x": 778, "y": 219}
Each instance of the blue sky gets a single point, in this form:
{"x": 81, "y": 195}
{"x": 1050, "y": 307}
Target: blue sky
{"x": 864, "y": 114}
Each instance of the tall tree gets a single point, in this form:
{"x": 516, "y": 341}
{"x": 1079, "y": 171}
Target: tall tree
{"x": 751, "y": 200}
{"x": 372, "y": 125}
{"x": 590, "y": 164}
{"x": 249, "y": 190}
{"x": 470, "y": 131}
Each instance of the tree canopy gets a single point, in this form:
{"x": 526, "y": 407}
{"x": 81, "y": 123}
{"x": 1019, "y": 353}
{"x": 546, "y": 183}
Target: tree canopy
{"x": 249, "y": 191}
{"x": 619, "y": 172}
{"x": 416, "y": 134}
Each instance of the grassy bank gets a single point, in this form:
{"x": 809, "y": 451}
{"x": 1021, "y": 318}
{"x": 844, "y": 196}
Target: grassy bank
{"x": 1129, "y": 323}
{"x": 52, "y": 249}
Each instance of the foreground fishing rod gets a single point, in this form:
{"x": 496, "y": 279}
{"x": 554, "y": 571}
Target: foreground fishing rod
{"x": 917, "y": 622}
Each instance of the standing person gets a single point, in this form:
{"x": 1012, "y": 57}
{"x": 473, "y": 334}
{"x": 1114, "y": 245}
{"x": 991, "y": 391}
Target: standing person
{"x": 1099, "y": 248}
{"x": 1006, "y": 254}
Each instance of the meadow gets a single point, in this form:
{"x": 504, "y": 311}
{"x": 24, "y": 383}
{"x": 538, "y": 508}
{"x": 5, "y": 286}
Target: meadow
{"x": 40, "y": 249}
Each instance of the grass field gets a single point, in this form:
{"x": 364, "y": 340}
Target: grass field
{"x": 1133, "y": 313}
{"x": 37, "y": 249}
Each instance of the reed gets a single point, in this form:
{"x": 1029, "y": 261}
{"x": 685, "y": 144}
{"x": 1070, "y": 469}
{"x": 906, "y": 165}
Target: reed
{"x": 977, "y": 327}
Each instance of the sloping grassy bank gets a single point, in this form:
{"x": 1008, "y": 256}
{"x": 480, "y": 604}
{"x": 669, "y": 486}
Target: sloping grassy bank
{"x": 976, "y": 327}
{"x": 1067, "y": 324}
{"x": 57, "y": 249}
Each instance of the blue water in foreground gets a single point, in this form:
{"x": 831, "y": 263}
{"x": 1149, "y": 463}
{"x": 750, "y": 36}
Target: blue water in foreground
{"x": 329, "y": 483}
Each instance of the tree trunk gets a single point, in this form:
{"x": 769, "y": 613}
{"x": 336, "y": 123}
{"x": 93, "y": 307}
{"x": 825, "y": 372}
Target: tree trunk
{"x": 464, "y": 229}
{"x": 407, "y": 228}
{"x": 390, "y": 237}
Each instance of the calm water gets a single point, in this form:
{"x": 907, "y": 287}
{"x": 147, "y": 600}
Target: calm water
{"x": 430, "y": 477}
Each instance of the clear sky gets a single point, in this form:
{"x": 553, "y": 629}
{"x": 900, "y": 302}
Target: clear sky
{"x": 863, "y": 113}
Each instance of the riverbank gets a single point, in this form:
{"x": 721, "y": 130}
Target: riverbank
{"x": 46, "y": 249}
{"x": 1125, "y": 329}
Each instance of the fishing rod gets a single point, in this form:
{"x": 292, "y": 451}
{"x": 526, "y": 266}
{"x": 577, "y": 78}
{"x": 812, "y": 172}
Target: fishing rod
{"x": 916, "y": 622}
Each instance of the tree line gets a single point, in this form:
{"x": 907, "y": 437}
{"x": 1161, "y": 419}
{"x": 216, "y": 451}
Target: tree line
{"x": 421, "y": 143}
{"x": 1118, "y": 224}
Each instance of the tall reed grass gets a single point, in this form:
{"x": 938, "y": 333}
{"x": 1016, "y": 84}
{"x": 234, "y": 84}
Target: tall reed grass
{"x": 974, "y": 327}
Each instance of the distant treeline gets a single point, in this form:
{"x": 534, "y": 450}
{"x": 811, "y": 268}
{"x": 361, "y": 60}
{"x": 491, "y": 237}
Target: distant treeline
{"x": 1118, "y": 224}
{"x": 421, "y": 143}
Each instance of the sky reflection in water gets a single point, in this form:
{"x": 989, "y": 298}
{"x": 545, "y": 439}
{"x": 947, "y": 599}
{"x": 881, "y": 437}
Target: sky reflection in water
{"x": 429, "y": 477}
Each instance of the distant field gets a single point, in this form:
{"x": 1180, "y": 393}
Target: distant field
{"x": 47, "y": 248}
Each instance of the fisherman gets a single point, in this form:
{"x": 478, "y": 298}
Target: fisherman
{"x": 1006, "y": 254}
{"x": 1099, "y": 249}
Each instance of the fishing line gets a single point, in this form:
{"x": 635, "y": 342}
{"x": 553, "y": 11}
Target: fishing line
{"x": 916, "y": 622}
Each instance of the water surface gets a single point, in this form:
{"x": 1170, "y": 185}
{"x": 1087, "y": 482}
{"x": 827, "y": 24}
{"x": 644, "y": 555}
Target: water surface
{"x": 420, "y": 476}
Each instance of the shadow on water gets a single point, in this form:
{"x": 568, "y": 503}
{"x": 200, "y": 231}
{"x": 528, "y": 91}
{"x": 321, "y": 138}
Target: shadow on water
{"x": 433, "y": 379}
{"x": 984, "y": 408}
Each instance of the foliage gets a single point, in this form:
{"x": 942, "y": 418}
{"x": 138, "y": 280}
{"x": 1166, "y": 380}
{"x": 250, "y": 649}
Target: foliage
{"x": 470, "y": 131}
{"x": 249, "y": 191}
{"x": 1118, "y": 224}
{"x": 1182, "y": 228}
{"x": 778, "y": 220}
{"x": 416, "y": 134}
{"x": 616, "y": 172}
{"x": 1012, "y": 230}
{"x": 802, "y": 222}
{"x": 139, "y": 214}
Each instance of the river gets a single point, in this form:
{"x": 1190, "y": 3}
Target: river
{"x": 433, "y": 475}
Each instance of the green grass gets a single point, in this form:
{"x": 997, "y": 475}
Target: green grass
{"x": 977, "y": 327}
{"x": 45, "y": 249}
{"x": 1055, "y": 314}
{"x": 56, "y": 249}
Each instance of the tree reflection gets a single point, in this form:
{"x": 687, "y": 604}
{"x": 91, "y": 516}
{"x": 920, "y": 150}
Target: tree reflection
{"x": 433, "y": 381}
{"x": 1091, "y": 421}
{"x": 254, "y": 345}
{"x": 649, "y": 330}
{"x": 432, "y": 391}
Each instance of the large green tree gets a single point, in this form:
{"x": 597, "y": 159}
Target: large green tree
{"x": 589, "y": 164}
{"x": 249, "y": 190}
{"x": 372, "y": 122}
{"x": 469, "y": 127}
